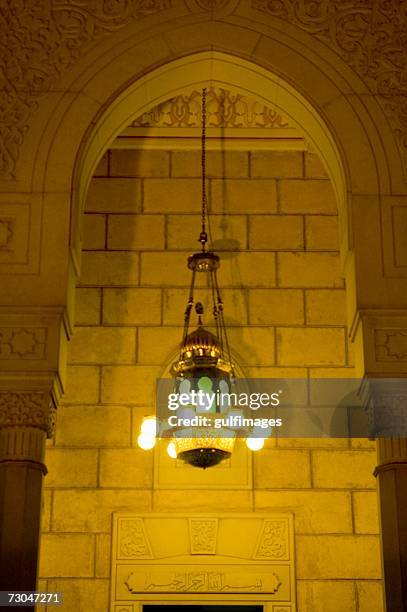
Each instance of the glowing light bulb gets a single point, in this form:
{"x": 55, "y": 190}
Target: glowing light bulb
{"x": 146, "y": 441}
{"x": 149, "y": 426}
{"x": 171, "y": 450}
{"x": 255, "y": 444}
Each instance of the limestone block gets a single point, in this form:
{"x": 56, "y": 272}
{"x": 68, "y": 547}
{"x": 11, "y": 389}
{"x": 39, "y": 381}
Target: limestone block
{"x": 41, "y": 587}
{"x": 114, "y": 195}
{"x": 93, "y": 426}
{"x": 321, "y": 233}
{"x": 282, "y": 469}
{"x": 165, "y": 268}
{"x": 337, "y": 556}
{"x": 307, "y": 196}
{"x": 87, "y": 306}
{"x": 314, "y": 511}
{"x": 109, "y": 268}
{"x": 102, "y": 345}
{"x": 66, "y": 555}
{"x": 242, "y": 196}
{"x": 314, "y": 167}
{"x": 219, "y": 164}
{"x": 248, "y": 270}
{"x": 131, "y": 162}
{"x": 365, "y": 507}
{"x": 309, "y": 270}
{"x": 135, "y": 232}
{"x": 102, "y": 169}
{"x": 131, "y": 306}
{"x": 276, "y": 306}
{"x": 134, "y": 384}
{"x": 276, "y": 164}
{"x": 159, "y": 345}
{"x": 370, "y": 596}
{"x": 276, "y": 232}
{"x": 326, "y": 596}
{"x": 325, "y": 307}
{"x": 126, "y": 468}
{"x": 172, "y": 195}
{"x": 71, "y": 468}
{"x": 226, "y": 232}
{"x": 240, "y": 269}
{"x": 310, "y": 346}
{"x": 234, "y": 300}
{"x": 336, "y": 372}
{"x": 252, "y": 345}
{"x": 90, "y": 510}
{"x": 82, "y": 594}
{"x": 94, "y": 232}
{"x": 344, "y": 469}
{"x": 202, "y": 500}
{"x": 82, "y": 385}
{"x": 102, "y": 554}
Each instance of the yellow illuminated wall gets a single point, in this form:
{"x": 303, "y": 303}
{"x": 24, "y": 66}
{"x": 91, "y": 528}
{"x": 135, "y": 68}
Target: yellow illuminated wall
{"x": 273, "y": 219}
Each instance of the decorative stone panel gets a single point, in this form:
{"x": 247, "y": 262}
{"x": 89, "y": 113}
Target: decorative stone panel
{"x": 384, "y": 337}
{"x": 20, "y": 224}
{"x": 164, "y": 558}
{"x": 394, "y": 230}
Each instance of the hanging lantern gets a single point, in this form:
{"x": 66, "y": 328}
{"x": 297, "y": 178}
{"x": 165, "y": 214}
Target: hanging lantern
{"x": 204, "y": 371}
{"x": 204, "y": 363}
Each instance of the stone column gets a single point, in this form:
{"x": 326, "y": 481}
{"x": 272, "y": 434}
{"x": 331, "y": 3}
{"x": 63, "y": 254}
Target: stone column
{"x": 391, "y": 473}
{"x": 32, "y": 348}
{"x": 381, "y": 341}
{"x": 387, "y": 409}
{"x": 26, "y": 418}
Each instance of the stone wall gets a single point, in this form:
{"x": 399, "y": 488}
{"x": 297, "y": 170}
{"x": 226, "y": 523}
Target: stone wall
{"x": 273, "y": 221}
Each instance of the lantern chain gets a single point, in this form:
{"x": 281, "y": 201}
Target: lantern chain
{"x": 203, "y": 237}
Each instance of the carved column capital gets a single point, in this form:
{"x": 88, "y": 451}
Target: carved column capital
{"x": 385, "y": 401}
{"x": 26, "y": 419}
{"x": 386, "y": 405}
{"x": 34, "y": 409}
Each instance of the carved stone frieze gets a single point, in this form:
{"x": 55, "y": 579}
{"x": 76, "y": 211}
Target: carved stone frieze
{"x": 203, "y": 533}
{"x": 6, "y": 232}
{"x": 212, "y": 5}
{"x": 273, "y": 542}
{"x": 224, "y": 109}
{"x": 132, "y": 542}
{"x": 369, "y": 36}
{"x": 385, "y": 402}
{"x": 185, "y": 580}
{"x": 39, "y": 42}
{"x": 27, "y": 409}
